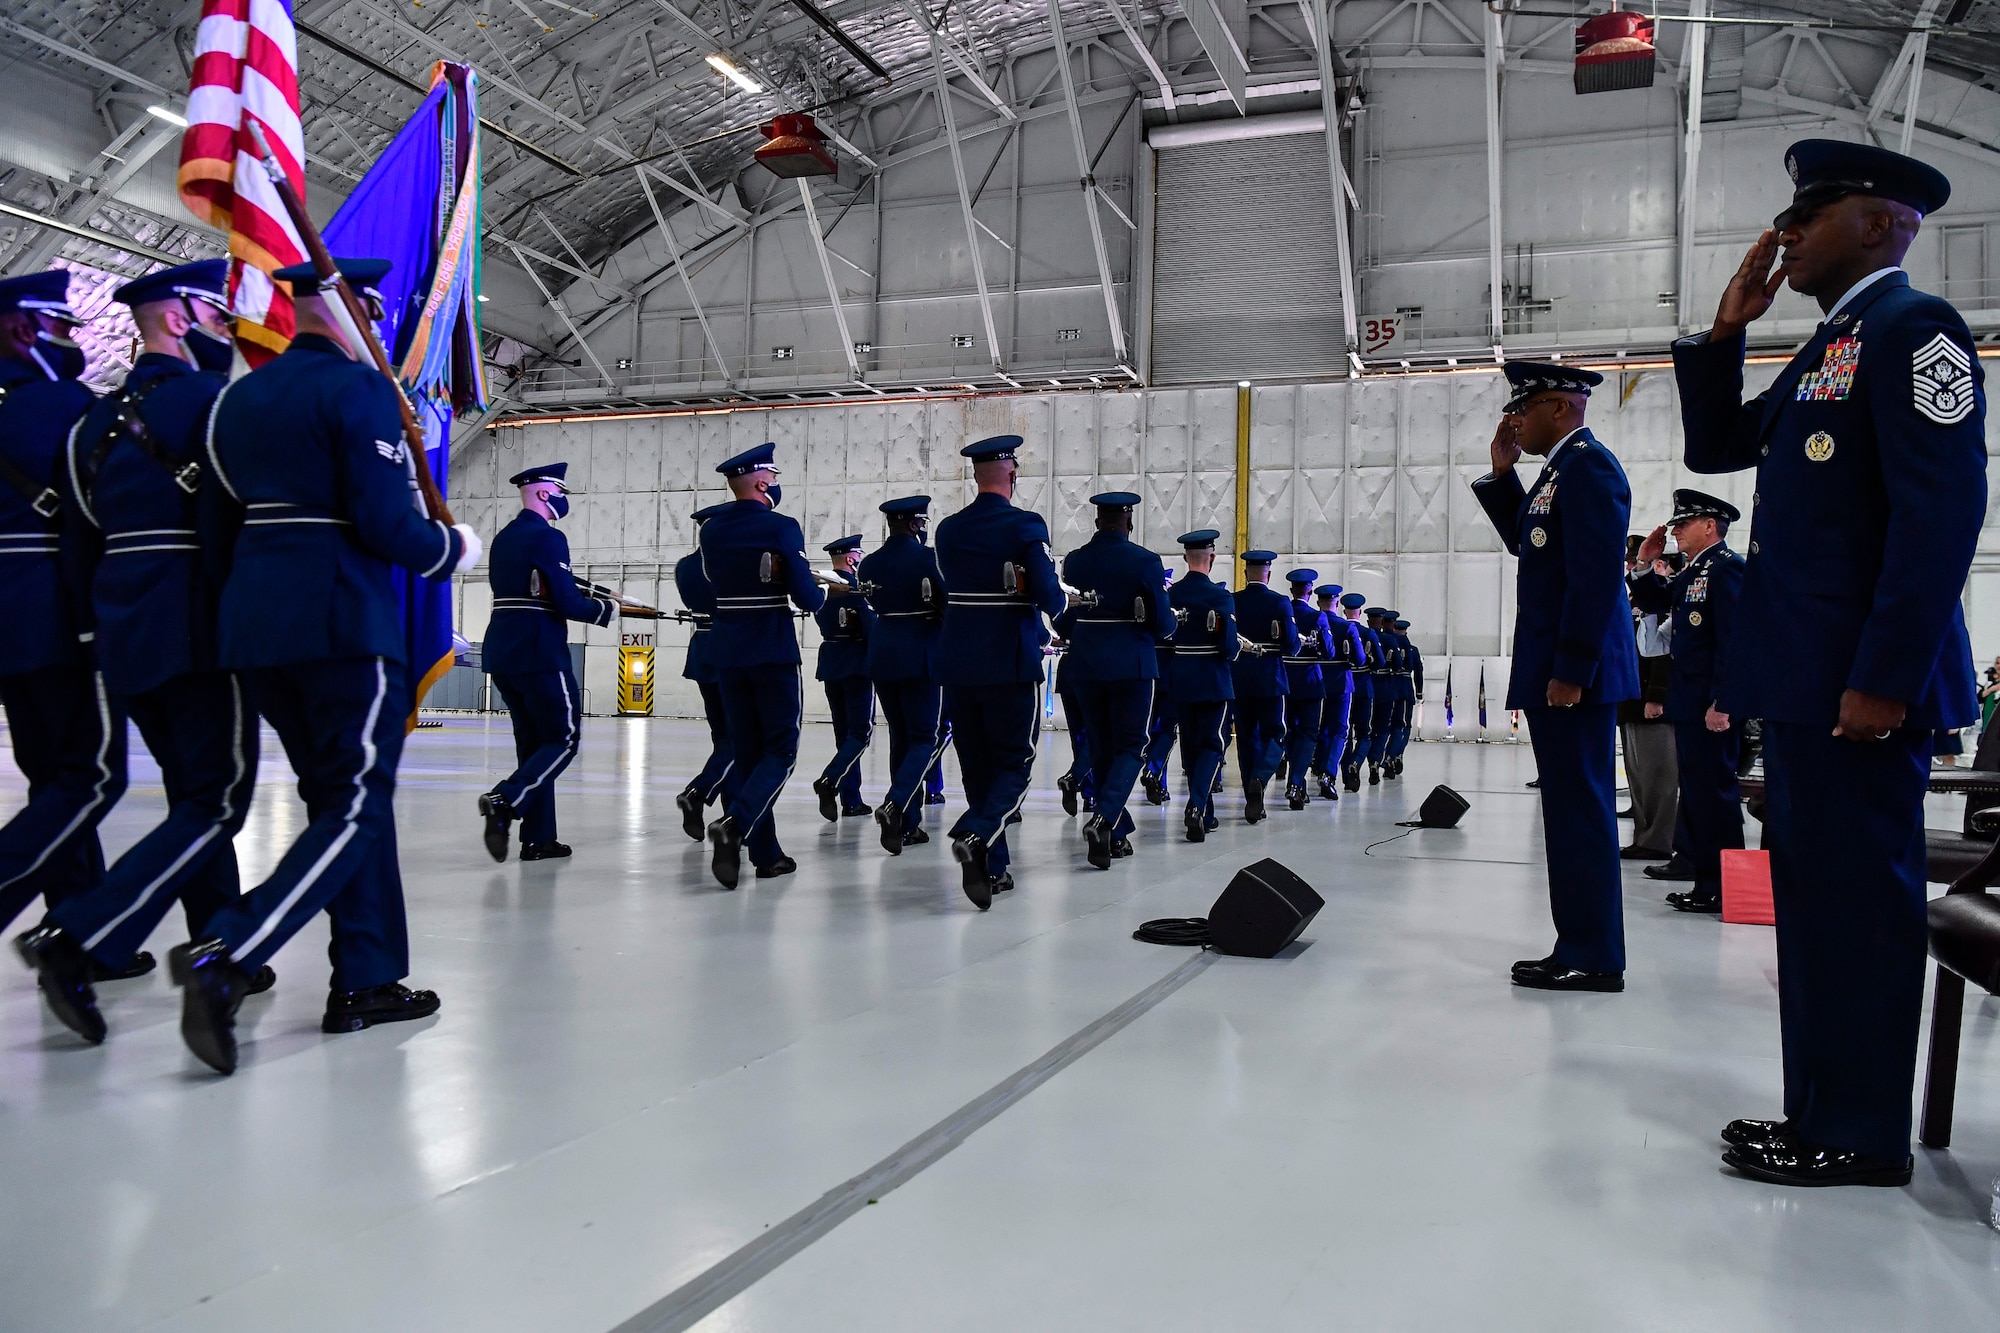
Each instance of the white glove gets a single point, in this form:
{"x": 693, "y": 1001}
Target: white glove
{"x": 473, "y": 548}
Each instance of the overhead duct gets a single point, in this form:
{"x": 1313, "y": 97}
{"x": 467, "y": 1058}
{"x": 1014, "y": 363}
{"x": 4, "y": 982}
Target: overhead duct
{"x": 1241, "y": 127}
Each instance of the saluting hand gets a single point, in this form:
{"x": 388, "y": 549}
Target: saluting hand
{"x": 1506, "y": 446}
{"x": 1750, "y": 293}
{"x": 1868, "y": 717}
{"x": 1654, "y": 546}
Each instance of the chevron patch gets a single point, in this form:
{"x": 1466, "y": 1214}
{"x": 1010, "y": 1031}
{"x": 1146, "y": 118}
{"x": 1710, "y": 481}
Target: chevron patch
{"x": 1942, "y": 381}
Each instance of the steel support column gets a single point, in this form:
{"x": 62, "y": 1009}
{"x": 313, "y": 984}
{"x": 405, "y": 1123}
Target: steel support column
{"x": 826, "y": 271}
{"x": 1921, "y": 47}
{"x": 1496, "y": 54}
{"x": 687, "y": 283}
{"x": 965, "y": 202}
{"x": 1088, "y": 183}
{"x": 1695, "y": 63}
{"x": 1329, "y": 100}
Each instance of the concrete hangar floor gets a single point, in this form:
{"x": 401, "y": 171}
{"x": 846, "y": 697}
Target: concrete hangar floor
{"x": 648, "y": 1103}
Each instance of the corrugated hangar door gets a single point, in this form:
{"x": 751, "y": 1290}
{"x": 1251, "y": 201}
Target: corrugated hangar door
{"x": 1246, "y": 273}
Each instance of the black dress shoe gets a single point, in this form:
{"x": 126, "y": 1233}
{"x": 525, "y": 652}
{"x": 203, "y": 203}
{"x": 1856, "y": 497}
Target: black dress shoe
{"x": 916, "y": 837}
{"x": 1535, "y": 785}
{"x": 1068, "y": 785}
{"x": 1156, "y": 790}
{"x": 1374, "y": 775}
{"x": 498, "y": 814}
{"x": 1253, "y": 802}
{"x": 889, "y": 828}
{"x": 784, "y": 865}
{"x": 544, "y": 851}
{"x": 1742, "y": 1133}
{"x": 692, "y": 823}
{"x": 1638, "y": 853}
{"x": 969, "y": 850}
{"x": 726, "y": 864}
{"x": 142, "y": 965}
{"x": 1001, "y": 883}
{"x": 62, "y": 970}
{"x": 1793, "y": 1162}
{"x": 261, "y": 980}
{"x": 353, "y": 1010}
{"x": 1351, "y": 778}
{"x": 1195, "y": 830}
{"x": 856, "y": 811}
{"x": 1533, "y": 964}
{"x": 1210, "y": 821}
{"x": 212, "y": 988}
{"x": 1121, "y": 848}
{"x": 1097, "y": 842}
{"x": 1553, "y": 976}
{"x": 934, "y": 798}
{"x": 1327, "y": 791}
{"x": 828, "y": 792}
{"x": 1087, "y": 802}
{"x": 1674, "y": 871}
{"x": 1688, "y": 902}
{"x": 1295, "y": 796}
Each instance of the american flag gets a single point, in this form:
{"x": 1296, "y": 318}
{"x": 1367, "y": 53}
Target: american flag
{"x": 246, "y": 64}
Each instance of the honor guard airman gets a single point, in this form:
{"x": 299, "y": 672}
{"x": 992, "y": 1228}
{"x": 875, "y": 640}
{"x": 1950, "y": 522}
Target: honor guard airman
{"x": 1305, "y": 681}
{"x": 1205, "y": 648}
{"x": 1269, "y": 634}
{"x": 67, "y": 740}
{"x": 756, "y": 559}
{"x": 535, "y": 597}
{"x": 698, "y": 603}
{"x": 1575, "y": 658}
{"x": 846, "y": 622}
{"x": 902, "y": 662}
{"x": 1113, "y": 663}
{"x": 131, "y": 474}
{"x": 999, "y": 582}
{"x": 1699, "y": 601}
{"x": 1367, "y": 673}
{"x": 1850, "y": 641}
{"x": 1411, "y": 689}
{"x": 1387, "y": 694}
{"x": 1345, "y": 654}
{"x": 313, "y": 511}
{"x": 1164, "y": 725}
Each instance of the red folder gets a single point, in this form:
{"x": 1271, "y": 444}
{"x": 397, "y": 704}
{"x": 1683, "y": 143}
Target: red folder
{"x": 1746, "y": 888}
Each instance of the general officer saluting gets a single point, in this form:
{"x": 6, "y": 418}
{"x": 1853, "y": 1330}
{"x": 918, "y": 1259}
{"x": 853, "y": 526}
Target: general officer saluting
{"x": 698, "y": 598}
{"x": 1270, "y": 634}
{"x": 1345, "y": 653}
{"x": 1574, "y": 655}
{"x": 902, "y": 662}
{"x": 999, "y": 582}
{"x": 1305, "y": 681}
{"x": 68, "y": 741}
{"x": 314, "y": 508}
{"x": 846, "y": 622}
{"x": 131, "y": 473}
{"x": 756, "y": 559}
{"x": 1205, "y": 646}
{"x": 527, "y": 653}
{"x": 1113, "y": 663}
{"x": 1701, "y": 600}
{"x": 1851, "y": 645}
{"x": 1367, "y": 676}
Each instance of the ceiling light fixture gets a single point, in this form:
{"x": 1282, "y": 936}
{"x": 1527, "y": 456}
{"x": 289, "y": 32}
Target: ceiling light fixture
{"x": 170, "y": 116}
{"x": 736, "y": 76}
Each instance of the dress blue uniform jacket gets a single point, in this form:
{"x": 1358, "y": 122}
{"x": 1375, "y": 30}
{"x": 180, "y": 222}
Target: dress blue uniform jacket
{"x": 1701, "y": 597}
{"x": 993, "y": 635}
{"x": 909, "y": 606}
{"x": 1413, "y": 664}
{"x": 308, "y": 450}
{"x": 1118, "y": 639}
{"x": 1305, "y": 677}
{"x": 699, "y": 598}
{"x": 1572, "y": 618}
{"x": 1854, "y": 437}
{"x": 755, "y": 558}
{"x": 534, "y": 598}
{"x": 846, "y": 623}
{"x": 1205, "y": 642}
{"x": 1264, "y": 616}
{"x": 129, "y": 528}
{"x": 36, "y": 415}
{"x": 1347, "y": 651}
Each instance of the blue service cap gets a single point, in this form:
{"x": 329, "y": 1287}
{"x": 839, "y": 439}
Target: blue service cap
{"x": 1117, "y": 500}
{"x": 1259, "y": 557}
{"x": 1201, "y": 539}
{"x": 1375, "y": 611}
{"x": 1303, "y": 576}
{"x": 1354, "y": 599}
{"x": 43, "y": 293}
{"x": 906, "y": 506}
{"x": 750, "y": 460}
{"x": 1528, "y": 378}
{"x": 839, "y": 545}
{"x": 206, "y": 279}
{"x": 1402, "y": 624}
{"x": 993, "y": 449}
{"x": 1823, "y": 170}
{"x": 546, "y": 472}
{"x": 1689, "y": 503}
{"x": 1327, "y": 590}
{"x": 361, "y": 274}
{"x": 704, "y": 514}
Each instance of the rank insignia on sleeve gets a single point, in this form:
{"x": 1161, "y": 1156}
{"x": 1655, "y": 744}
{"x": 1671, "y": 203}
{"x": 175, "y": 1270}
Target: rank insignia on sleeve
{"x": 1538, "y": 537}
{"x": 1942, "y": 381}
{"x": 390, "y": 449}
{"x": 1819, "y": 446}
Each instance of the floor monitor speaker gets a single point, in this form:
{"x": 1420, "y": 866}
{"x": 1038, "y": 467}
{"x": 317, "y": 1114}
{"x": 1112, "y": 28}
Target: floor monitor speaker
{"x": 1263, "y": 909}
{"x": 1442, "y": 808}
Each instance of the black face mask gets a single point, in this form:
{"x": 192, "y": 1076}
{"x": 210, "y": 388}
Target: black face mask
{"x": 59, "y": 358}
{"x": 207, "y": 351}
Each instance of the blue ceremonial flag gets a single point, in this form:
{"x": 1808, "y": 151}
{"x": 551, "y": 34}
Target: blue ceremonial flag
{"x": 1447, "y": 698}
{"x": 418, "y": 207}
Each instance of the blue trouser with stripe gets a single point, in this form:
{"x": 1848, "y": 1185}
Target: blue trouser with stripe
{"x": 1333, "y": 726}
{"x": 911, "y": 709}
{"x": 1260, "y": 736}
{"x": 708, "y": 782}
{"x": 1382, "y": 727}
{"x": 762, "y": 704}
{"x": 548, "y": 726}
{"x": 202, "y": 731}
{"x": 69, "y": 743}
{"x": 934, "y": 780}
{"x": 1115, "y": 715}
{"x": 1360, "y": 718}
{"x": 852, "y": 702}
{"x": 1161, "y": 728}
{"x": 1201, "y": 727}
{"x": 341, "y": 723}
{"x": 1574, "y": 756}
{"x": 1406, "y": 716}
{"x": 995, "y": 729}
{"x": 1303, "y": 719}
